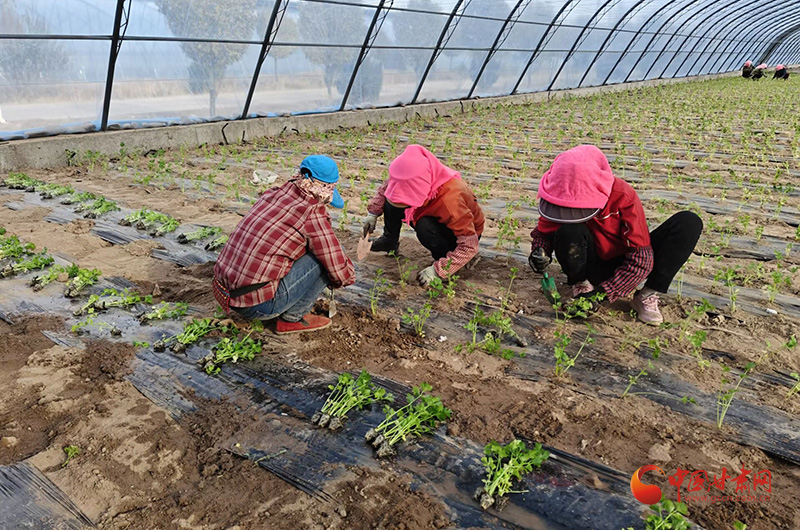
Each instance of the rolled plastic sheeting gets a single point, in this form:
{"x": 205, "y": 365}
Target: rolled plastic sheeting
{"x": 30, "y": 500}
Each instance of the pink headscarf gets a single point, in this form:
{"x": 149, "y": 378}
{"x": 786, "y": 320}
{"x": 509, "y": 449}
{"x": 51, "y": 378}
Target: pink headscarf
{"x": 762, "y": 66}
{"x": 748, "y": 63}
{"x": 415, "y": 177}
{"x": 780, "y": 67}
{"x": 578, "y": 178}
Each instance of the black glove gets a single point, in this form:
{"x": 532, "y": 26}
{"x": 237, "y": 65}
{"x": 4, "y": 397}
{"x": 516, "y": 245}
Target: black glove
{"x": 539, "y": 260}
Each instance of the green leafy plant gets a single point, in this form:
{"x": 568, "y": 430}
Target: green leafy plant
{"x": 11, "y": 247}
{"x": 634, "y": 379}
{"x": 164, "y": 311}
{"x": 379, "y": 286}
{"x": 422, "y": 414}
{"x": 217, "y": 243}
{"x": 126, "y": 298}
{"x": 669, "y": 516}
{"x": 40, "y": 282}
{"x": 416, "y": 319}
{"x": 563, "y": 361}
{"x": 728, "y": 278}
{"x": 70, "y": 451}
{"x": 50, "y": 191}
{"x": 403, "y": 268}
{"x": 100, "y": 206}
{"x": 83, "y": 279}
{"x": 349, "y": 393}
{"x": 20, "y": 181}
{"x": 79, "y": 198}
{"x": 727, "y": 390}
{"x": 201, "y": 233}
{"x": 796, "y": 388}
{"x": 229, "y": 350}
{"x": 696, "y": 340}
{"x": 504, "y": 464}
{"x": 507, "y": 229}
{"x": 30, "y": 263}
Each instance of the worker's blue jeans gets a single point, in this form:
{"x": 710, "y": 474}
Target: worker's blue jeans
{"x": 296, "y": 293}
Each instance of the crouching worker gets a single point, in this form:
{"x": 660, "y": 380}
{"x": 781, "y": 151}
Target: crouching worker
{"x": 758, "y": 73}
{"x": 284, "y": 252}
{"x": 596, "y": 224}
{"x": 437, "y": 203}
{"x": 781, "y": 72}
{"x": 747, "y": 69}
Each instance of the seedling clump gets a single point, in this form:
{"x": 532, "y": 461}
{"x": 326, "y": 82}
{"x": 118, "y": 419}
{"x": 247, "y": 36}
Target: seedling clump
{"x": 84, "y": 278}
{"x": 71, "y": 451}
{"x": 422, "y": 414}
{"x": 201, "y": 233}
{"x": 163, "y": 311}
{"x": 503, "y": 465}
{"x": 379, "y": 286}
{"x": 34, "y": 262}
{"x": 230, "y": 350}
{"x": 347, "y": 394}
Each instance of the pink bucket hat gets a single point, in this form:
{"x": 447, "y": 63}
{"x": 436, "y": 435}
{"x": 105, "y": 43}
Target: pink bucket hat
{"x": 577, "y": 185}
{"x": 762, "y": 66}
{"x": 748, "y": 63}
{"x": 780, "y": 67}
{"x": 415, "y": 177}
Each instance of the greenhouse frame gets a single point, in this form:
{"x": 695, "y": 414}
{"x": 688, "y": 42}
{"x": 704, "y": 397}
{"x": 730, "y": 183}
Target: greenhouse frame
{"x": 78, "y": 66}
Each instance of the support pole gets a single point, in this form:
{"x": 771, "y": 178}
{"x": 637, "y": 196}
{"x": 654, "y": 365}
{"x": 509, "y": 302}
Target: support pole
{"x": 116, "y": 42}
{"x": 275, "y": 19}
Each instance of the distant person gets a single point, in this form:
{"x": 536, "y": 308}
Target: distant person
{"x": 781, "y": 72}
{"x": 747, "y": 69}
{"x": 284, "y": 253}
{"x": 596, "y": 225}
{"x": 437, "y": 203}
{"x": 758, "y": 73}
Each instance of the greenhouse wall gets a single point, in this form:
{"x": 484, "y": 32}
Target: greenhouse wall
{"x": 97, "y": 65}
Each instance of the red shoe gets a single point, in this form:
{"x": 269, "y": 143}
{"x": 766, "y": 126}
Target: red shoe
{"x": 308, "y": 323}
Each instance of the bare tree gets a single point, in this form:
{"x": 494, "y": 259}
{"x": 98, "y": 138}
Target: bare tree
{"x": 288, "y": 33}
{"x": 211, "y": 19}
{"x": 409, "y": 26}
{"x": 325, "y": 24}
{"x": 26, "y": 62}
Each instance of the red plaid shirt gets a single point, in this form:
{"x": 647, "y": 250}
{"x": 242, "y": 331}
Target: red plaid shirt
{"x": 278, "y": 230}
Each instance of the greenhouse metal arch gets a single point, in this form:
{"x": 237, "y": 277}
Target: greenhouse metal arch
{"x": 95, "y": 65}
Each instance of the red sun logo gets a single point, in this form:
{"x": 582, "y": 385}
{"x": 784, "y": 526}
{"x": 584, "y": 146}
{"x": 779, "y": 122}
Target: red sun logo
{"x": 645, "y": 493}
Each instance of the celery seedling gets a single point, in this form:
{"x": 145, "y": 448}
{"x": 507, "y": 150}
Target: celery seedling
{"x": 230, "y": 350}
{"x": 503, "y": 465}
{"x": 796, "y": 388}
{"x": 11, "y": 247}
{"x": 379, "y": 286}
{"x": 563, "y": 361}
{"x": 217, "y": 243}
{"x": 71, "y": 451}
{"x": 201, "y": 233}
{"x": 35, "y": 262}
{"x": 164, "y": 311}
{"x": 420, "y": 415}
{"x": 82, "y": 280}
{"x": 347, "y": 394}
{"x": 100, "y": 206}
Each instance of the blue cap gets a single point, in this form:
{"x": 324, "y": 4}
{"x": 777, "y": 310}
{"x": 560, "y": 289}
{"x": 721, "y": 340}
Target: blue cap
{"x": 324, "y": 169}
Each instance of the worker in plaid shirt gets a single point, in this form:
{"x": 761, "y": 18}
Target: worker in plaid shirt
{"x": 284, "y": 252}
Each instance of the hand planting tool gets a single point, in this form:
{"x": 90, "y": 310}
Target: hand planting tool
{"x": 549, "y": 289}
{"x": 332, "y": 305}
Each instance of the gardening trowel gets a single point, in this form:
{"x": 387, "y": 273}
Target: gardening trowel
{"x": 331, "y": 305}
{"x": 549, "y": 289}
